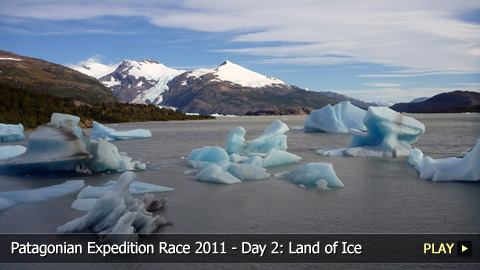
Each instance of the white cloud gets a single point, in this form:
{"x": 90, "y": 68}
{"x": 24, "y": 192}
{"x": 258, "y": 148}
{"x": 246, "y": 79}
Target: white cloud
{"x": 383, "y": 84}
{"x": 93, "y": 67}
{"x": 420, "y": 37}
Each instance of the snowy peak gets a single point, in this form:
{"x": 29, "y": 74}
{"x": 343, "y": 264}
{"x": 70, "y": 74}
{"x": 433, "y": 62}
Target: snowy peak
{"x": 92, "y": 67}
{"x": 147, "y": 68}
{"x": 237, "y": 74}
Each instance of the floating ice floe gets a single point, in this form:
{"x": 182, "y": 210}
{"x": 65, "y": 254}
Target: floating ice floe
{"x": 448, "y": 169}
{"x": 272, "y": 138}
{"x": 388, "y": 134}
{"x": 337, "y": 119}
{"x": 243, "y": 160}
{"x": 117, "y": 216}
{"x": 12, "y": 198}
{"x": 110, "y": 134}
{"x": 10, "y": 133}
{"x": 320, "y": 175}
{"x": 89, "y": 194}
{"x": 61, "y": 145}
{"x": 9, "y": 151}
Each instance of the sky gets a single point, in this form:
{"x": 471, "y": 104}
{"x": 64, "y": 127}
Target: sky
{"x": 372, "y": 50}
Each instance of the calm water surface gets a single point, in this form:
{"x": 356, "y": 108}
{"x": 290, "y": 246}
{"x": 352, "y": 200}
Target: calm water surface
{"x": 381, "y": 195}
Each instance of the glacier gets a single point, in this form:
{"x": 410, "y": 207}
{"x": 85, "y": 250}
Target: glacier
{"x": 10, "y": 133}
{"x": 117, "y": 216}
{"x": 313, "y": 174}
{"x": 61, "y": 145}
{"x": 388, "y": 134}
{"x": 448, "y": 169}
{"x": 12, "y": 198}
{"x": 9, "y": 151}
{"x": 110, "y": 134}
{"x": 337, "y": 119}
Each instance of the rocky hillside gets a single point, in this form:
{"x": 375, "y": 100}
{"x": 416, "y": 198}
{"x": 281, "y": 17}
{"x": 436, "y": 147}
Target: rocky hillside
{"x": 457, "y": 101}
{"x": 49, "y": 78}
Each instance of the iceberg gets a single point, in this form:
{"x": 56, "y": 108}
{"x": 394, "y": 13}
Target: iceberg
{"x": 248, "y": 172}
{"x": 448, "y": 169}
{"x": 12, "y": 198}
{"x": 272, "y": 138}
{"x": 313, "y": 174}
{"x": 10, "y": 133}
{"x": 216, "y": 174}
{"x": 337, "y": 119}
{"x": 110, "y": 134}
{"x": 9, "y": 151}
{"x": 388, "y": 134}
{"x": 278, "y": 158}
{"x": 135, "y": 188}
{"x": 116, "y": 212}
{"x": 202, "y": 157}
{"x": 61, "y": 145}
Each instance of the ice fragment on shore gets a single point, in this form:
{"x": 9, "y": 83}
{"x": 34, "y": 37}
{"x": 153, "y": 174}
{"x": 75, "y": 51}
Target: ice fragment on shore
{"x": 12, "y": 198}
{"x": 116, "y": 212}
{"x": 337, "y": 119}
{"x": 388, "y": 134}
{"x": 448, "y": 169}
{"x": 9, "y": 133}
{"x": 110, "y": 134}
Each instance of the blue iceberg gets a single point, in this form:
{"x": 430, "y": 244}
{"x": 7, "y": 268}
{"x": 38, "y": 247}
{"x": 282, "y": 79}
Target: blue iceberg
{"x": 10, "y": 133}
{"x": 9, "y": 151}
{"x": 277, "y": 157}
{"x": 110, "y": 134}
{"x": 448, "y": 169}
{"x": 116, "y": 216}
{"x": 12, "y": 198}
{"x": 61, "y": 145}
{"x": 272, "y": 138}
{"x": 388, "y": 134}
{"x": 337, "y": 119}
{"x": 313, "y": 174}
{"x": 202, "y": 157}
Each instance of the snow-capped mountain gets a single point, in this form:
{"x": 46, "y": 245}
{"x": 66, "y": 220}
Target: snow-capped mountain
{"x": 236, "y": 74}
{"x": 140, "y": 81}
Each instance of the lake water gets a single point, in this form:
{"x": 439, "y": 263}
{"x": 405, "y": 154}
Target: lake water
{"x": 381, "y": 195}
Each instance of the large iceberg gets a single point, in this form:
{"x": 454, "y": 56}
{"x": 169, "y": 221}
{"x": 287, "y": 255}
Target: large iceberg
{"x": 448, "y": 169}
{"x": 12, "y": 198}
{"x": 116, "y": 216}
{"x": 337, "y": 119}
{"x": 10, "y": 133}
{"x": 110, "y": 134}
{"x": 61, "y": 145}
{"x": 388, "y": 134}
{"x": 313, "y": 174}
{"x": 9, "y": 151}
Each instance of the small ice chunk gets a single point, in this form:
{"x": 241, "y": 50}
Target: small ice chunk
{"x": 12, "y": 198}
{"x": 322, "y": 184}
{"x": 84, "y": 204}
{"x": 110, "y": 134}
{"x": 136, "y": 187}
{"x": 116, "y": 215}
{"x": 298, "y": 128}
{"x": 311, "y": 173}
{"x": 388, "y": 134}
{"x": 9, "y": 133}
{"x": 9, "y": 151}
{"x": 272, "y": 138}
{"x": 248, "y": 172}
{"x": 215, "y": 174}
{"x": 448, "y": 169}
{"x": 237, "y": 158}
{"x": 278, "y": 158}
{"x": 337, "y": 119}
{"x": 106, "y": 157}
{"x": 255, "y": 160}
{"x": 202, "y": 157}
{"x": 152, "y": 204}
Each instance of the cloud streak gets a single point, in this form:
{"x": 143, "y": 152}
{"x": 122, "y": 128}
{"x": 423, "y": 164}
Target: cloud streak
{"x": 416, "y": 37}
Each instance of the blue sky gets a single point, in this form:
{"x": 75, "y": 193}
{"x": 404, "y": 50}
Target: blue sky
{"x": 373, "y": 50}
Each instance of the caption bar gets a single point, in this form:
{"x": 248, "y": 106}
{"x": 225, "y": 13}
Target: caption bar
{"x": 242, "y": 248}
